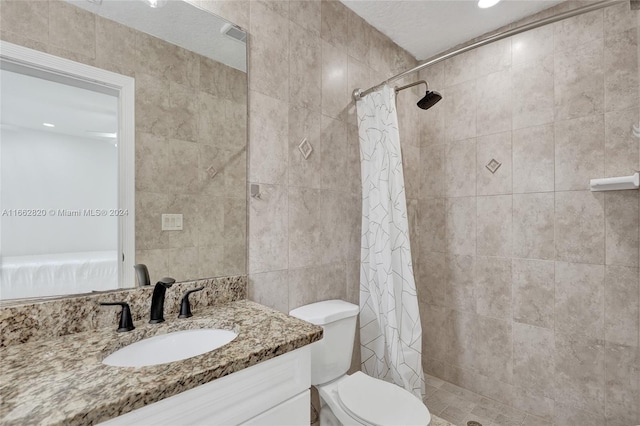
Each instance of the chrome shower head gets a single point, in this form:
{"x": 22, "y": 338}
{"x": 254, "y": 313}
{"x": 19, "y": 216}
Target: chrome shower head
{"x": 430, "y": 99}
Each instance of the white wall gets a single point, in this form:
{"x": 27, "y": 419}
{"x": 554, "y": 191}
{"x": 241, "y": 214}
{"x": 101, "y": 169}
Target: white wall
{"x": 44, "y": 170}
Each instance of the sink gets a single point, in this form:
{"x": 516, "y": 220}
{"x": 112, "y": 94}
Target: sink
{"x": 170, "y": 347}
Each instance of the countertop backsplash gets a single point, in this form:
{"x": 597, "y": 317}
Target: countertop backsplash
{"x": 32, "y": 321}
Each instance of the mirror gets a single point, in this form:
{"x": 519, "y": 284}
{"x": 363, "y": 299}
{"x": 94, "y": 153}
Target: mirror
{"x": 189, "y": 68}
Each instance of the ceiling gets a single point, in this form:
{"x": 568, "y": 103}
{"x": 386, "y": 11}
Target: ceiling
{"x": 175, "y": 22}
{"x": 427, "y": 27}
{"x": 27, "y": 102}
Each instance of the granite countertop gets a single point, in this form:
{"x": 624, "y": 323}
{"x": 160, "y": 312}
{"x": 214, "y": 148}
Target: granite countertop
{"x": 63, "y": 381}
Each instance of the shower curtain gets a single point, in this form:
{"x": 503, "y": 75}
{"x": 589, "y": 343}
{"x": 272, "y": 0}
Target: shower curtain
{"x": 390, "y": 330}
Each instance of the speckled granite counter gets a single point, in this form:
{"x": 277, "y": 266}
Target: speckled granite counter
{"x": 62, "y": 380}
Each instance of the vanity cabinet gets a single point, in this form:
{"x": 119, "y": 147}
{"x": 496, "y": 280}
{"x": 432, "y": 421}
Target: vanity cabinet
{"x": 273, "y": 392}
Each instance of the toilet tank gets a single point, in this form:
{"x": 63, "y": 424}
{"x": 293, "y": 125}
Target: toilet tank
{"x": 331, "y": 356}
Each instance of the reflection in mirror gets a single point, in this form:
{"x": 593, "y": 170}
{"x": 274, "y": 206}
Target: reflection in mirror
{"x": 59, "y": 171}
{"x": 190, "y": 78}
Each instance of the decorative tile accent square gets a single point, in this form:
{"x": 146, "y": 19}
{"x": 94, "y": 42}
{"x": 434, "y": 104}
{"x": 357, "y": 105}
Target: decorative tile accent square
{"x": 305, "y": 148}
{"x": 493, "y": 165}
{"x": 212, "y": 172}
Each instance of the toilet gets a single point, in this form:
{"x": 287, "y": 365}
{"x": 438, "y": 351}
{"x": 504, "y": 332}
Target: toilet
{"x": 355, "y": 399}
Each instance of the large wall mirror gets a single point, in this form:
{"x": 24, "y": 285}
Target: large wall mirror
{"x": 62, "y": 139}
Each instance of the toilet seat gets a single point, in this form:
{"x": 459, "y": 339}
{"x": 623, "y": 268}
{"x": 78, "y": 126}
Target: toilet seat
{"x": 378, "y": 403}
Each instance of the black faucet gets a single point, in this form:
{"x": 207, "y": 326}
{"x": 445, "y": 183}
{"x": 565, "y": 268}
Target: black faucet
{"x": 157, "y": 300}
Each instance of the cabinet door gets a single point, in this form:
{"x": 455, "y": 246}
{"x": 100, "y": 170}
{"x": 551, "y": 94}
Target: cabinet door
{"x": 293, "y": 412}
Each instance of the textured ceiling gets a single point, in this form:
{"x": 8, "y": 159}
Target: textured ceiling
{"x": 427, "y": 27}
{"x": 176, "y": 23}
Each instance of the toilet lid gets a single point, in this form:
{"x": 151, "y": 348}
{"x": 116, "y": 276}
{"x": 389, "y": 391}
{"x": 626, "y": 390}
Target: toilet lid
{"x": 380, "y": 403}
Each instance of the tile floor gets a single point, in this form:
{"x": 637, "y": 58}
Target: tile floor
{"x": 458, "y": 406}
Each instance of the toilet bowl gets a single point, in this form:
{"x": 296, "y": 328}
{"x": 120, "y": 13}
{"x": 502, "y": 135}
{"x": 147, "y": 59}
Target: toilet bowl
{"x": 356, "y": 399}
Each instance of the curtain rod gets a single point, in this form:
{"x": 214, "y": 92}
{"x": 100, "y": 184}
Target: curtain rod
{"x": 358, "y": 93}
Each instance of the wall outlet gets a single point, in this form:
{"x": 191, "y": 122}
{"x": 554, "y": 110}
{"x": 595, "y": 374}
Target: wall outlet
{"x": 172, "y": 222}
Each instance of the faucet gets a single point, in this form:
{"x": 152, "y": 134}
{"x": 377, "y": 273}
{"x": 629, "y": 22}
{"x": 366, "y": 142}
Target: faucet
{"x": 157, "y": 300}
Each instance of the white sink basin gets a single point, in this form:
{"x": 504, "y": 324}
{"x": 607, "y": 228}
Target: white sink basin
{"x": 170, "y": 347}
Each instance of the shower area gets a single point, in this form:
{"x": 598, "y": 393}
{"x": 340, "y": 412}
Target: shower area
{"x": 527, "y": 280}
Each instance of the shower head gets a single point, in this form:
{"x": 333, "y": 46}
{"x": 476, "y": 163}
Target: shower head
{"x": 430, "y": 98}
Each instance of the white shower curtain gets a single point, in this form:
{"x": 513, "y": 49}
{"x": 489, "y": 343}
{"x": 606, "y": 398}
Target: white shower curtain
{"x": 390, "y": 331}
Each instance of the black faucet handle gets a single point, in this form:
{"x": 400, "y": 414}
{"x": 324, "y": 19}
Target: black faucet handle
{"x": 126, "y": 323}
{"x": 185, "y": 306}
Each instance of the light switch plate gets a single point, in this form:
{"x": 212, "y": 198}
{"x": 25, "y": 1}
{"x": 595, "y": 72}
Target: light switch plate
{"x": 172, "y": 222}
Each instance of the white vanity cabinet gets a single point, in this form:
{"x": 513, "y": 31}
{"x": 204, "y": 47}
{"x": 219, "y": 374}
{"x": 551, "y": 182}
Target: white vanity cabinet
{"x": 273, "y": 392}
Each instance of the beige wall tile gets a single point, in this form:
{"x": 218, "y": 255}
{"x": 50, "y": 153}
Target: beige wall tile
{"x": 72, "y": 28}
{"x": 622, "y": 149}
{"x": 579, "y": 378}
{"x": 306, "y": 13}
{"x": 306, "y": 230}
{"x": 305, "y": 60}
{"x": 579, "y": 299}
{"x": 533, "y": 159}
{"x": 268, "y": 144}
{"x": 359, "y": 39}
{"x": 622, "y": 387}
{"x": 460, "y": 68}
{"x": 581, "y": 29}
{"x": 431, "y": 224}
{"x": 621, "y": 227}
{"x": 532, "y": 46}
{"x": 305, "y": 124}
{"x": 462, "y": 337}
{"x": 493, "y": 350}
{"x": 115, "y": 46}
{"x": 494, "y": 217}
{"x": 431, "y": 282}
{"x": 460, "y": 290}
{"x": 619, "y": 18}
{"x": 27, "y": 19}
{"x": 533, "y": 226}
{"x": 432, "y": 171}
{"x": 461, "y": 226}
{"x": 579, "y": 148}
{"x": 533, "y": 359}
{"x": 435, "y": 337}
{"x": 493, "y": 287}
{"x": 270, "y": 289}
{"x": 493, "y": 103}
{"x": 335, "y": 23}
{"x": 498, "y": 147}
{"x": 532, "y": 84}
{"x": 269, "y": 56}
{"x": 533, "y": 292}
{"x": 315, "y": 284}
{"x": 460, "y": 170}
{"x": 621, "y": 77}
{"x": 460, "y": 111}
{"x": 335, "y": 96}
{"x": 493, "y": 57}
{"x": 333, "y": 150}
{"x": 578, "y": 81}
{"x": 579, "y": 226}
{"x": 268, "y": 230}
{"x": 621, "y": 305}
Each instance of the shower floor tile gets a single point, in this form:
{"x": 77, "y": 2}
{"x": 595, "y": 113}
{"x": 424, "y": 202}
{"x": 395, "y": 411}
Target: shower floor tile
{"x": 455, "y": 406}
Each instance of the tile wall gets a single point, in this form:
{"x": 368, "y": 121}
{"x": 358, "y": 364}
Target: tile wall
{"x": 190, "y": 115}
{"x": 305, "y": 59}
{"x": 528, "y": 282}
